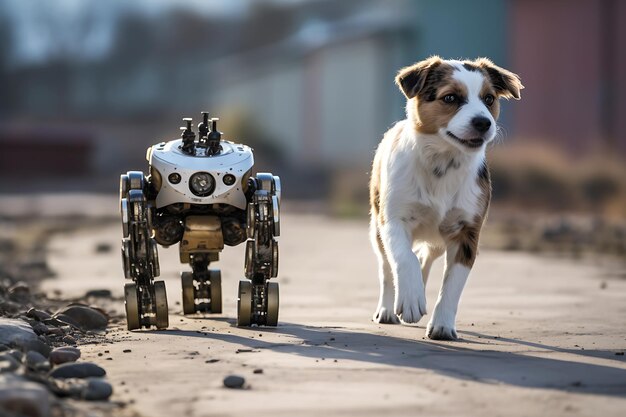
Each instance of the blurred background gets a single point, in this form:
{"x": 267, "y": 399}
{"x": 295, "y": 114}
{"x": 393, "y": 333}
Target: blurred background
{"x": 86, "y": 87}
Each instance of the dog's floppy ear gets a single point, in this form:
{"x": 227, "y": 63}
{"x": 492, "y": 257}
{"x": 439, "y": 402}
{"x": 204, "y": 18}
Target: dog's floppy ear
{"x": 412, "y": 79}
{"x": 506, "y": 83}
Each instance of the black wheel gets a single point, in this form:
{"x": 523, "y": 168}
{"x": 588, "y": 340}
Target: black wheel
{"x": 271, "y": 319}
{"x": 154, "y": 255}
{"x": 274, "y": 264}
{"x": 125, "y": 218}
{"x": 249, "y": 261}
{"x": 133, "y": 318}
{"x": 251, "y": 220}
{"x": 216, "y": 291}
{"x": 126, "y": 258}
{"x": 244, "y": 304}
{"x": 276, "y": 215}
{"x": 160, "y": 298}
{"x": 189, "y": 297}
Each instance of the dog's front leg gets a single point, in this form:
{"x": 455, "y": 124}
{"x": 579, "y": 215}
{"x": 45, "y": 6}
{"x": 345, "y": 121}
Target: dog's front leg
{"x": 460, "y": 256}
{"x": 410, "y": 300}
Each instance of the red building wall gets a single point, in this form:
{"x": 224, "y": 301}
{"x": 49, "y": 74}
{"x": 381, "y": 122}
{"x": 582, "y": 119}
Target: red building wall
{"x": 570, "y": 55}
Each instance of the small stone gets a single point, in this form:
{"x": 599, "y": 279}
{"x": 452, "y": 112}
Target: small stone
{"x": 19, "y": 292}
{"x": 98, "y": 293}
{"x": 18, "y": 355}
{"x": 40, "y": 315}
{"x": 10, "y": 307}
{"x": 234, "y": 381}
{"x": 8, "y": 363}
{"x": 103, "y": 247}
{"x": 83, "y": 317}
{"x": 64, "y": 355}
{"x": 69, "y": 340}
{"x": 257, "y": 371}
{"x": 97, "y": 390}
{"x": 36, "y": 361}
{"x": 77, "y": 370}
{"x": 55, "y": 331}
{"x": 16, "y": 333}
{"x": 23, "y": 398}
{"x": 39, "y": 328}
{"x": 41, "y": 347}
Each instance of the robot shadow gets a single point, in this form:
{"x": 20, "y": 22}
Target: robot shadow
{"x": 464, "y": 359}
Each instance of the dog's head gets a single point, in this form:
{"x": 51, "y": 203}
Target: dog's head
{"x": 457, "y": 100}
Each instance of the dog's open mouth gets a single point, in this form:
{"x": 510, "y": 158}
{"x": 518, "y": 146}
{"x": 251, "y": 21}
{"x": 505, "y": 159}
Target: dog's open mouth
{"x": 470, "y": 143}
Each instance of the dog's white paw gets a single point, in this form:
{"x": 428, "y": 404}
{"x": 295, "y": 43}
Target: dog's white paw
{"x": 384, "y": 315}
{"x": 440, "y": 331}
{"x": 410, "y": 306}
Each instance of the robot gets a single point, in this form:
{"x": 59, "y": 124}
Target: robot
{"x": 200, "y": 194}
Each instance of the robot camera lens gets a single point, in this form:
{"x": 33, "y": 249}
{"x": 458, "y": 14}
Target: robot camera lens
{"x": 229, "y": 179}
{"x": 174, "y": 178}
{"x": 202, "y": 184}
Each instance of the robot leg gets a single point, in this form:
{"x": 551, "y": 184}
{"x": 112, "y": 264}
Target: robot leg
{"x": 146, "y": 299}
{"x": 202, "y": 288}
{"x": 258, "y": 298}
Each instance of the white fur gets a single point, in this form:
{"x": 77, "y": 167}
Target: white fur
{"x": 416, "y": 202}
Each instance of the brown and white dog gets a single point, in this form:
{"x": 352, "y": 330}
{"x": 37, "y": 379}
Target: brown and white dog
{"x": 430, "y": 187}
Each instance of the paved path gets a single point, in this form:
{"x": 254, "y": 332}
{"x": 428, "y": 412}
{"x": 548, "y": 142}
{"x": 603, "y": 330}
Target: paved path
{"x": 539, "y": 336}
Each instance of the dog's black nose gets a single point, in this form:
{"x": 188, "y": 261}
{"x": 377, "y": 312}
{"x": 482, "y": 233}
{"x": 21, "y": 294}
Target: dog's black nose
{"x": 481, "y": 124}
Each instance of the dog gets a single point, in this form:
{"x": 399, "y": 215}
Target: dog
{"x": 430, "y": 187}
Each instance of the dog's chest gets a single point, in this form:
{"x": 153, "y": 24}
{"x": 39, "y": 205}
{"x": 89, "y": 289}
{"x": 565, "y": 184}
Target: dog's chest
{"x": 440, "y": 203}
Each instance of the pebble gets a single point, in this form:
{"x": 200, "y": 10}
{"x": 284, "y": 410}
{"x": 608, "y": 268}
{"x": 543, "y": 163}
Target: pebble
{"x": 77, "y": 370}
{"x": 8, "y": 363}
{"x": 98, "y": 294}
{"x": 234, "y": 381}
{"x": 69, "y": 340}
{"x": 39, "y": 346}
{"x": 24, "y": 398}
{"x": 18, "y": 355}
{"x": 15, "y": 332}
{"x": 36, "y": 361}
{"x": 64, "y": 355}
{"x": 40, "y": 315}
{"x": 19, "y": 292}
{"x": 83, "y": 317}
{"x": 39, "y": 328}
{"x": 103, "y": 247}
{"x": 97, "y": 390}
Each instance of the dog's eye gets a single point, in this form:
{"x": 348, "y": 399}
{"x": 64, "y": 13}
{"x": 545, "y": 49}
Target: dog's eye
{"x": 489, "y": 99}
{"x": 450, "y": 98}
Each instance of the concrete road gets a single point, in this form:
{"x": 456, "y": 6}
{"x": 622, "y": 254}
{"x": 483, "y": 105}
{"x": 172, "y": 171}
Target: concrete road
{"x": 540, "y": 336}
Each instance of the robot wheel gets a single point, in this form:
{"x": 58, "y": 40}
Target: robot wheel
{"x": 261, "y": 314}
{"x": 146, "y": 299}
{"x": 202, "y": 296}
{"x": 141, "y": 311}
{"x": 258, "y": 301}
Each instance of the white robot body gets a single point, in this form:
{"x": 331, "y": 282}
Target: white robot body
{"x": 201, "y": 195}
{"x": 167, "y": 158}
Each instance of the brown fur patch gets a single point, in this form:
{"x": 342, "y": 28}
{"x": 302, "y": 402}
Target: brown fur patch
{"x": 506, "y": 83}
{"x": 413, "y": 78}
{"x": 455, "y": 229}
{"x": 434, "y": 114}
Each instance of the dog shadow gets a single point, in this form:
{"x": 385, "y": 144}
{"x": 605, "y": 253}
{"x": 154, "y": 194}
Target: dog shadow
{"x": 463, "y": 359}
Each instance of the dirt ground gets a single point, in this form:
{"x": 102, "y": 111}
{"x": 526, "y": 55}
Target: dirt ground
{"x": 539, "y": 336}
